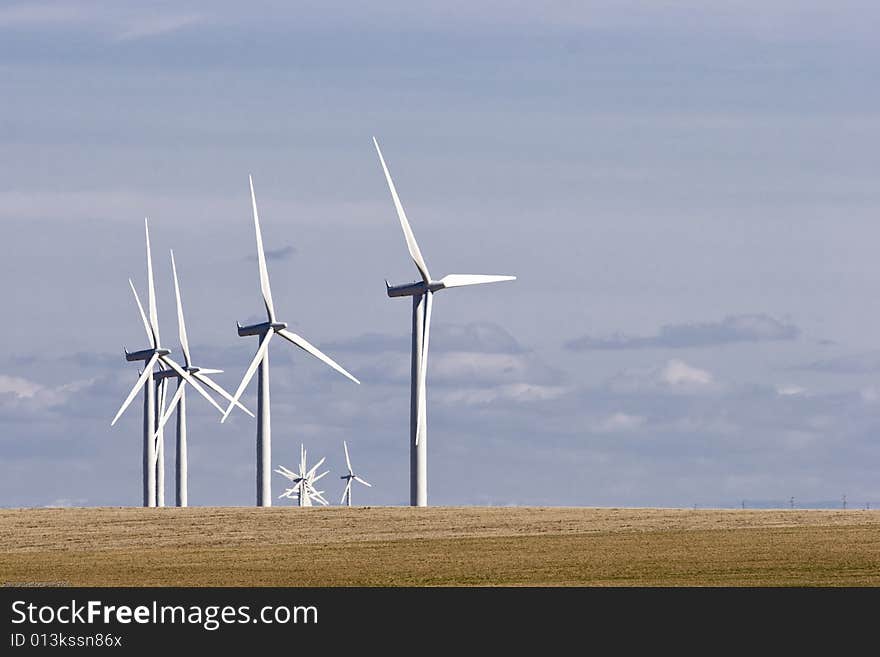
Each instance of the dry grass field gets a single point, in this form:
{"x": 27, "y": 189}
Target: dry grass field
{"x": 401, "y": 546}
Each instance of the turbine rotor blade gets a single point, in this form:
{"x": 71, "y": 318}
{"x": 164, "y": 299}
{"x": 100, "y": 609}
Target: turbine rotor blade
{"x": 181, "y": 325}
{"x": 314, "y": 481}
{"x": 411, "y": 243}
{"x": 200, "y": 376}
{"x": 151, "y": 288}
{"x": 345, "y": 492}
{"x": 305, "y": 345}
{"x": 261, "y": 351}
{"x": 285, "y": 472}
{"x": 150, "y": 336}
{"x": 458, "y": 280}
{"x": 421, "y": 418}
{"x": 347, "y": 460}
{"x": 190, "y": 380}
{"x": 365, "y": 483}
{"x": 148, "y": 368}
{"x": 314, "y": 468}
{"x": 261, "y": 258}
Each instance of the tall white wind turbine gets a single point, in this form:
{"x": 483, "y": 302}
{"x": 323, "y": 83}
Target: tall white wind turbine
{"x": 153, "y": 356}
{"x": 178, "y": 401}
{"x": 351, "y": 476}
{"x": 266, "y": 330}
{"x": 422, "y": 293}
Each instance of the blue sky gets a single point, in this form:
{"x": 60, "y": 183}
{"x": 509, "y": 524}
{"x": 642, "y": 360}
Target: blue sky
{"x": 688, "y": 198}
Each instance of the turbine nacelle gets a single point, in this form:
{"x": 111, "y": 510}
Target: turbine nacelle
{"x": 260, "y": 329}
{"x": 144, "y": 354}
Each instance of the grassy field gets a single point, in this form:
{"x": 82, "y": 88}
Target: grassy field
{"x": 401, "y": 546}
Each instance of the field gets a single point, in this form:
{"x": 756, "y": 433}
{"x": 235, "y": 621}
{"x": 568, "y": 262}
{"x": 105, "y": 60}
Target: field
{"x": 401, "y": 546}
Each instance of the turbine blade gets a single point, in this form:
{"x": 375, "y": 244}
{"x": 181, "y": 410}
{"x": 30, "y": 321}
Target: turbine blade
{"x": 200, "y": 376}
{"x": 249, "y": 373}
{"x": 208, "y": 370}
{"x": 150, "y": 336}
{"x": 181, "y": 325}
{"x": 261, "y": 258}
{"x": 315, "y": 480}
{"x": 285, "y": 472}
{"x": 458, "y": 280}
{"x": 195, "y": 384}
{"x": 171, "y": 406}
{"x": 421, "y": 418}
{"x": 411, "y": 243}
{"x": 305, "y": 345}
{"x": 314, "y": 468}
{"x": 302, "y": 460}
{"x": 148, "y": 368}
{"x": 347, "y": 460}
{"x": 151, "y": 288}
{"x": 345, "y": 492}
{"x": 365, "y": 483}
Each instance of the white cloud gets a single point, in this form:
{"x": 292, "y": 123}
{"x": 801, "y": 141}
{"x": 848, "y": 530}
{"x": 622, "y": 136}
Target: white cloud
{"x": 518, "y": 392}
{"x": 678, "y": 373}
{"x": 36, "y": 394}
{"x": 789, "y": 390}
{"x": 619, "y": 423}
{"x": 149, "y": 27}
{"x": 21, "y": 388}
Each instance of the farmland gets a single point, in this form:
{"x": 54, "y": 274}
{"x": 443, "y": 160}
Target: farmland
{"x": 401, "y": 546}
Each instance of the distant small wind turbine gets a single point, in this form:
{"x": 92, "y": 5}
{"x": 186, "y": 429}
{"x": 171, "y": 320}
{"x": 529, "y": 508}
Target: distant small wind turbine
{"x": 303, "y": 489}
{"x": 351, "y": 476}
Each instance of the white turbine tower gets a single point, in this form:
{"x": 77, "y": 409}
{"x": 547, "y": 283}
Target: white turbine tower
{"x": 422, "y": 293}
{"x": 155, "y": 355}
{"x": 351, "y": 476}
{"x": 266, "y": 330}
{"x": 303, "y": 489}
{"x": 178, "y": 401}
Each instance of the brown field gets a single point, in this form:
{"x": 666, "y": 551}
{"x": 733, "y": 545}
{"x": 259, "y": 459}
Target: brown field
{"x": 400, "y": 546}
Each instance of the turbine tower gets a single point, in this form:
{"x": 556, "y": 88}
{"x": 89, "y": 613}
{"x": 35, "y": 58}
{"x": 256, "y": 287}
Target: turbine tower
{"x": 265, "y": 330}
{"x": 303, "y": 489}
{"x": 154, "y": 355}
{"x": 178, "y": 401}
{"x": 422, "y": 293}
{"x": 351, "y": 476}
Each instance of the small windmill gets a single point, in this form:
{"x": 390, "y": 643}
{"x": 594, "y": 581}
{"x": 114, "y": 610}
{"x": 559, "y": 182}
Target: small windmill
{"x": 351, "y": 476}
{"x": 303, "y": 489}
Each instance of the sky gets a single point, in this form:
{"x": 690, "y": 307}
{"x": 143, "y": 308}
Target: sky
{"x": 687, "y": 196}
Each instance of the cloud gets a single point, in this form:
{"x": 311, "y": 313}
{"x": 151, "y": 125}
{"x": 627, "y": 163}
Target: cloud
{"x": 861, "y": 363}
{"x": 156, "y": 26}
{"x": 619, "y": 423}
{"x": 281, "y": 253}
{"x": 66, "y": 502}
{"x": 731, "y": 329}
{"x": 675, "y": 376}
{"x": 21, "y": 388}
{"x": 790, "y": 389}
{"x": 476, "y": 337}
{"x": 36, "y": 396}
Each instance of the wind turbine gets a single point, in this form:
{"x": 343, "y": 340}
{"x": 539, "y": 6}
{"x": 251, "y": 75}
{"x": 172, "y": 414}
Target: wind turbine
{"x": 422, "y": 293}
{"x": 304, "y": 481}
{"x": 351, "y": 476}
{"x": 154, "y": 355}
{"x": 178, "y": 401}
{"x": 266, "y": 330}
